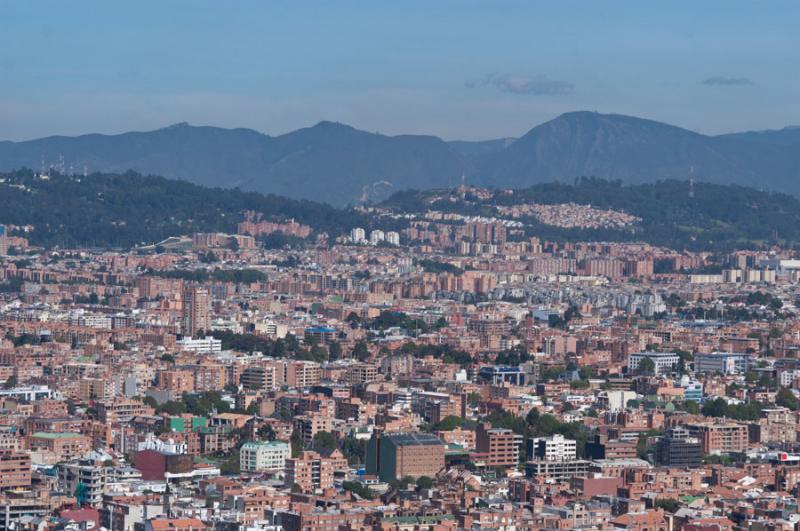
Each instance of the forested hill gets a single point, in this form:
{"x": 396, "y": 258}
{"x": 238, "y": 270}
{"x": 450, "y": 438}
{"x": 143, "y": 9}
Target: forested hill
{"x": 676, "y": 214}
{"x": 110, "y": 210}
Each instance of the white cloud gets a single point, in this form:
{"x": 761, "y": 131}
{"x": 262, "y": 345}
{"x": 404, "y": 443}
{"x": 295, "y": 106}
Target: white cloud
{"x": 539, "y": 85}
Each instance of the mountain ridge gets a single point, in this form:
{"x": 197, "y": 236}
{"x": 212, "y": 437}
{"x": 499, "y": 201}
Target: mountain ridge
{"x": 340, "y": 164}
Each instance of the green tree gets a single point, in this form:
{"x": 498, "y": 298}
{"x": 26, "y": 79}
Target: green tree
{"x": 230, "y": 466}
{"x": 334, "y": 351}
{"x": 424, "y": 482}
{"x": 354, "y": 449}
{"x": 507, "y": 420}
{"x": 646, "y": 366}
{"x": 642, "y": 444}
{"x": 361, "y": 352}
{"x": 324, "y": 440}
{"x": 296, "y": 443}
{"x": 150, "y": 401}
{"x": 449, "y": 423}
{"x": 266, "y": 433}
{"x": 357, "y": 488}
{"x": 787, "y": 399}
{"x": 474, "y": 398}
{"x": 173, "y": 407}
{"x": 670, "y": 505}
{"x": 692, "y": 407}
{"x": 11, "y": 382}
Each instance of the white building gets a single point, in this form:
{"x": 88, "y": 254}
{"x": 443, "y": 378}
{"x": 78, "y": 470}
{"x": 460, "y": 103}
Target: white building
{"x": 615, "y": 400}
{"x": 692, "y": 389}
{"x": 358, "y": 235}
{"x": 664, "y": 362}
{"x": 169, "y": 446}
{"x": 205, "y": 345}
{"x": 264, "y": 456}
{"x": 393, "y": 237}
{"x": 786, "y": 377}
{"x": 31, "y": 393}
{"x": 553, "y": 448}
{"x": 272, "y": 329}
{"x": 376, "y": 237}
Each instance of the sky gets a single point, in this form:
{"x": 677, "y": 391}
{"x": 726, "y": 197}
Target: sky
{"x": 456, "y": 69}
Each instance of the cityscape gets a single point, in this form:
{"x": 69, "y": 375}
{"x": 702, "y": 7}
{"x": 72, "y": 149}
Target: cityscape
{"x": 210, "y": 328}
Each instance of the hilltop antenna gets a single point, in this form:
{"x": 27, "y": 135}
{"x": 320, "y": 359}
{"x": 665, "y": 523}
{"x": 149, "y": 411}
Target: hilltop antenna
{"x": 691, "y": 181}
{"x": 463, "y": 186}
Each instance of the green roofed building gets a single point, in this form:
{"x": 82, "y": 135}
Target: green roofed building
{"x": 264, "y": 456}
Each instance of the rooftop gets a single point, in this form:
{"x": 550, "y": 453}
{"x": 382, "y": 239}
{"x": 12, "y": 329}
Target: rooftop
{"x": 52, "y": 435}
{"x": 414, "y": 439}
{"x": 269, "y": 444}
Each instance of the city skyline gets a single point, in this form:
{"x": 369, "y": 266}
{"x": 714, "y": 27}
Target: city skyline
{"x": 357, "y": 320}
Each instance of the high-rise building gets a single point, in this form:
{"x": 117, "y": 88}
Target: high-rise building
{"x": 393, "y": 238}
{"x": 358, "y": 235}
{"x": 376, "y": 237}
{"x": 3, "y": 241}
{"x": 196, "y": 310}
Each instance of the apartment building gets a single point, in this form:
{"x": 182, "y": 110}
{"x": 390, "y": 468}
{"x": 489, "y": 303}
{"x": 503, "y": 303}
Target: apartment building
{"x": 553, "y": 448}
{"x": 301, "y": 373}
{"x": 720, "y": 437}
{"x": 264, "y": 377}
{"x": 95, "y": 389}
{"x": 310, "y": 472}
{"x": 121, "y": 410}
{"x": 196, "y": 310}
{"x": 264, "y": 456}
{"x": 359, "y": 373}
{"x": 15, "y": 470}
{"x": 64, "y": 446}
{"x": 500, "y": 447}
{"x": 311, "y": 424}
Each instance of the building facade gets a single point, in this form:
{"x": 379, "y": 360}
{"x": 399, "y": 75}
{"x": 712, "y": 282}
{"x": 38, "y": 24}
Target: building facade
{"x": 264, "y": 456}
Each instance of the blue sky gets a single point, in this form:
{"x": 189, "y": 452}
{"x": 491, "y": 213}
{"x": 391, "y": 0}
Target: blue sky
{"x": 457, "y": 69}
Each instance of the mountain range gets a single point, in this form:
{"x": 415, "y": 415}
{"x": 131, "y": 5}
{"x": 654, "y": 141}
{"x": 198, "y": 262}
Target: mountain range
{"x": 339, "y": 164}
